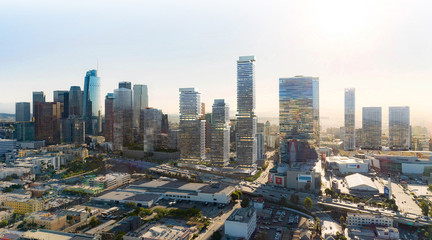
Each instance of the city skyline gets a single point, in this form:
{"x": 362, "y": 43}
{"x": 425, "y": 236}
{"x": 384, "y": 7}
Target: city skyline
{"x": 322, "y": 46}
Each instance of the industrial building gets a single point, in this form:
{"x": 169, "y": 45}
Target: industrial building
{"x": 346, "y": 165}
{"x": 120, "y": 196}
{"x": 357, "y": 220}
{"x": 360, "y": 183}
{"x": 298, "y": 176}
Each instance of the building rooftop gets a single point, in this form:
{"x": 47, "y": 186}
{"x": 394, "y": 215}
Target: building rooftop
{"x": 357, "y": 180}
{"x": 241, "y": 215}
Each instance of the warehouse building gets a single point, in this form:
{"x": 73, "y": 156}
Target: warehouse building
{"x": 346, "y": 165}
{"x": 358, "y": 183}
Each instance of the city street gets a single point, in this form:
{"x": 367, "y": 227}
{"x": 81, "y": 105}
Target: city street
{"x": 404, "y": 200}
{"x": 217, "y": 223}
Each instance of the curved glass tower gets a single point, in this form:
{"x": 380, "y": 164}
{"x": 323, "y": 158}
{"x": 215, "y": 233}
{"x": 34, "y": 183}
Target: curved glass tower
{"x": 91, "y": 102}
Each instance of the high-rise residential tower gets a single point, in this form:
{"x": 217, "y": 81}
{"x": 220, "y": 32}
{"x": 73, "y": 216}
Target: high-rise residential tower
{"x": 123, "y": 118}
{"x": 75, "y": 101}
{"x": 62, "y": 96}
{"x": 349, "y": 138}
{"x": 220, "y": 134}
{"x": 399, "y": 128}
{"x": 140, "y": 102}
{"x": 372, "y": 128}
{"x": 298, "y": 118}
{"x": 22, "y": 111}
{"x": 192, "y": 127}
{"x": 246, "y": 145}
{"x": 92, "y": 107}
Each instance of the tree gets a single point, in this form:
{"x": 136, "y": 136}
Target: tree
{"x": 87, "y": 209}
{"x": 294, "y": 199}
{"x": 328, "y": 192}
{"x": 341, "y": 219}
{"x": 235, "y": 196}
{"x": 216, "y": 236}
{"x": 245, "y": 203}
{"x": 424, "y": 207}
{"x": 131, "y": 205}
{"x": 307, "y": 203}
{"x": 93, "y": 222}
{"x": 3, "y": 223}
{"x": 430, "y": 188}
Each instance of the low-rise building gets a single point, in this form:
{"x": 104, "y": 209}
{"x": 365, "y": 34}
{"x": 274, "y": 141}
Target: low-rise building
{"x": 9, "y": 171}
{"x": 241, "y": 223}
{"x": 6, "y": 213}
{"x": 123, "y": 197}
{"x": 387, "y": 233}
{"x": 360, "y": 219}
{"x": 161, "y": 232}
{"x": 48, "y": 220}
{"x": 360, "y": 184}
{"x": 23, "y": 205}
{"x": 110, "y": 180}
{"x": 347, "y": 165}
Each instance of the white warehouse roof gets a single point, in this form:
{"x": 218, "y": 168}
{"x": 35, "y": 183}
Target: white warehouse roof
{"x": 360, "y": 182}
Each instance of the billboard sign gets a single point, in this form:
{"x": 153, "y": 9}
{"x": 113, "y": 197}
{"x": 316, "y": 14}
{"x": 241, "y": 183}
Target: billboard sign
{"x": 304, "y": 178}
{"x": 279, "y": 180}
{"x": 386, "y": 191}
{"x": 270, "y": 178}
{"x": 353, "y": 166}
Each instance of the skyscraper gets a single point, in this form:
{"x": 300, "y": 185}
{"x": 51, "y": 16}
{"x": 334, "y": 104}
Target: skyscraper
{"x": 127, "y": 85}
{"x": 123, "y": 118}
{"x": 298, "y": 118}
{"x": 192, "y": 128}
{"x": 24, "y": 131}
{"x": 47, "y": 122}
{"x": 399, "y": 128}
{"x": 349, "y": 139}
{"x": 75, "y": 101}
{"x": 38, "y": 97}
{"x": 220, "y": 134}
{"x": 109, "y": 117}
{"x": 372, "y": 127}
{"x": 260, "y": 142}
{"x": 140, "y": 102}
{"x": 246, "y": 145}
{"x": 22, "y": 111}
{"x": 62, "y": 97}
{"x": 92, "y": 107}
{"x": 151, "y": 122}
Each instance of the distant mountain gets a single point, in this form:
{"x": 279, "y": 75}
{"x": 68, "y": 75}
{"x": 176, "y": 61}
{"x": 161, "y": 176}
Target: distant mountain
{"x": 7, "y": 117}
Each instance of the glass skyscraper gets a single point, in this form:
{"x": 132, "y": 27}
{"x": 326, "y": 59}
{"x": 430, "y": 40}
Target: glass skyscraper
{"x": 399, "y": 128}
{"x": 140, "y": 102}
{"x": 62, "y": 97}
{"x": 92, "y": 107}
{"x": 75, "y": 101}
{"x": 38, "y": 97}
{"x": 151, "y": 122}
{"x": 22, "y": 111}
{"x": 123, "y": 120}
{"x": 372, "y": 128}
{"x": 192, "y": 127}
{"x": 349, "y": 138}
{"x": 298, "y": 118}
{"x": 220, "y": 134}
{"x": 109, "y": 117}
{"x": 246, "y": 144}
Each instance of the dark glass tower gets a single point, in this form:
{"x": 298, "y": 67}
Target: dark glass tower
{"x": 91, "y": 102}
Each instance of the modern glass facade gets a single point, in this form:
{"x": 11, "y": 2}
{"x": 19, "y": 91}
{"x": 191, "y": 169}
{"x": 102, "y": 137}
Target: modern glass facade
{"x": 246, "y": 144}
{"x": 298, "y": 118}
{"x": 75, "y": 101}
{"x": 151, "y": 122}
{"x": 372, "y": 127}
{"x": 220, "y": 133}
{"x": 24, "y": 131}
{"x": 38, "y": 97}
{"x": 349, "y": 138}
{"x": 140, "y": 102}
{"x": 192, "y": 127}
{"x": 399, "y": 128}
{"x": 123, "y": 120}
{"x": 47, "y": 122}
{"x": 62, "y": 97}
{"x": 22, "y": 111}
{"x": 92, "y": 107}
{"x": 109, "y": 117}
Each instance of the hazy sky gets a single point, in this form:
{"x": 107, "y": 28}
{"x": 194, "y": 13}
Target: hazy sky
{"x": 381, "y": 48}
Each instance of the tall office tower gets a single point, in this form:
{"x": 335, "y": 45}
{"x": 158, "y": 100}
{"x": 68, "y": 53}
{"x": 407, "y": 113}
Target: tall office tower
{"x": 92, "y": 107}
{"x": 127, "y": 85}
{"x": 47, "y": 122}
{"x": 298, "y": 118}
{"x": 123, "y": 120}
{"x": 246, "y": 145}
{"x": 75, "y": 101}
{"x": 208, "y": 119}
{"x": 140, "y": 102}
{"x": 62, "y": 97}
{"x": 73, "y": 130}
{"x": 260, "y": 142}
{"x": 38, "y": 97}
{"x": 22, "y": 111}
{"x": 349, "y": 139}
{"x": 192, "y": 127}
{"x": 109, "y": 117}
{"x": 151, "y": 122}
{"x": 372, "y": 127}
{"x": 399, "y": 128}
{"x": 220, "y": 134}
